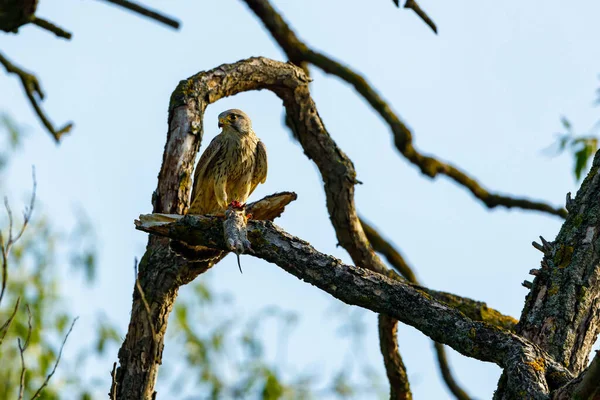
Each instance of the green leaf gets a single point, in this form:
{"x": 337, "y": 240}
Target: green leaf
{"x": 273, "y": 389}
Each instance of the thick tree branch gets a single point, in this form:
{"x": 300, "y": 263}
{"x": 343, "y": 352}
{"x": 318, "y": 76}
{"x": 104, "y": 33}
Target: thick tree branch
{"x": 561, "y": 312}
{"x": 526, "y": 365}
{"x": 395, "y": 259}
{"x": 299, "y": 53}
{"x": 161, "y": 272}
{"x": 585, "y": 387}
{"x": 146, "y": 12}
{"x": 32, "y": 88}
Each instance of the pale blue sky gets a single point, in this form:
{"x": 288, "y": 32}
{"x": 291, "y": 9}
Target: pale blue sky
{"x": 486, "y": 94}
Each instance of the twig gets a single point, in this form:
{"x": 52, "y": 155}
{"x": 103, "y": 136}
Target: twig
{"x": 5, "y": 247}
{"x": 22, "y": 349}
{"x": 39, "y": 391}
{"x": 298, "y": 52}
{"x": 49, "y": 26}
{"x": 412, "y": 4}
{"x": 146, "y": 12}
{"x": 453, "y": 386}
{"x": 23, "y": 369}
{"x": 112, "y": 394}
{"x": 32, "y": 87}
{"x": 6, "y": 326}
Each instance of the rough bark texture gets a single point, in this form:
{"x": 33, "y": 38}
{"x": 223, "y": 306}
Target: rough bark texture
{"x": 161, "y": 271}
{"x": 561, "y": 312}
{"x": 531, "y": 372}
{"x": 585, "y": 387}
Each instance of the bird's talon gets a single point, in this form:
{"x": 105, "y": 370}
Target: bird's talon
{"x": 237, "y": 205}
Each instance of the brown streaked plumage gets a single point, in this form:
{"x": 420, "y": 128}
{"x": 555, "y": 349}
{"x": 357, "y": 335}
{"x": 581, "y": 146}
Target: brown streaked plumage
{"x": 231, "y": 167}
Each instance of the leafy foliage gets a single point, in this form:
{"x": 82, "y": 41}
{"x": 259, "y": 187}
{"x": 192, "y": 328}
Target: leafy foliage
{"x": 583, "y": 147}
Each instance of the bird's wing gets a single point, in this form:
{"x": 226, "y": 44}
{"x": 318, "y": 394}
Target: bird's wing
{"x": 260, "y": 166}
{"x": 207, "y": 160}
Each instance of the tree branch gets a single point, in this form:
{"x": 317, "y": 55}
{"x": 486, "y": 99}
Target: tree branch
{"x": 51, "y": 374}
{"x": 298, "y": 53}
{"x": 561, "y": 311}
{"x": 526, "y": 365}
{"x": 146, "y": 12}
{"x": 395, "y": 259}
{"x": 412, "y": 4}
{"x": 32, "y": 87}
{"x": 49, "y": 26}
{"x": 394, "y": 366}
{"x": 585, "y": 387}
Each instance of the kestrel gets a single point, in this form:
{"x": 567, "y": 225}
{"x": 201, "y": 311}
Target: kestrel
{"x": 231, "y": 167}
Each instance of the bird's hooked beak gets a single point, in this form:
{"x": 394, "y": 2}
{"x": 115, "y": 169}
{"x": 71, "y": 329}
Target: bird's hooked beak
{"x": 221, "y": 122}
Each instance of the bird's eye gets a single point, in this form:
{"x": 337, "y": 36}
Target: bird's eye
{"x": 232, "y": 117}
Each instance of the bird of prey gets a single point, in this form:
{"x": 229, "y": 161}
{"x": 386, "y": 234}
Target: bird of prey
{"x": 230, "y": 168}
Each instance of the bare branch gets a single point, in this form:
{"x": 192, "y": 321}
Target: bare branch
{"x": 146, "y": 12}
{"x": 396, "y": 260}
{"x": 39, "y": 391}
{"x": 112, "y": 394}
{"x": 525, "y": 363}
{"x": 412, "y": 4}
{"x": 23, "y": 369}
{"x": 298, "y": 52}
{"x": 5, "y": 247}
{"x": 392, "y": 360}
{"x": 32, "y": 87}
{"x": 453, "y": 386}
{"x": 393, "y": 256}
{"x": 22, "y": 349}
{"x": 6, "y": 326}
{"x": 49, "y": 26}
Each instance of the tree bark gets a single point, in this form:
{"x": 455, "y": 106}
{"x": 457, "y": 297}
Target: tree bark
{"x": 529, "y": 369}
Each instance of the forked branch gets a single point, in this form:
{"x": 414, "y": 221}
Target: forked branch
{"x": 300, "y": 54}
{"x": 357, "y": 286}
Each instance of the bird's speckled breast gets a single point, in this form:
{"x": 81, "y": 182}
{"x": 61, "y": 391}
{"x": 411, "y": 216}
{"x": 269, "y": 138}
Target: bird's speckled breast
{"x": 239, "y": 168}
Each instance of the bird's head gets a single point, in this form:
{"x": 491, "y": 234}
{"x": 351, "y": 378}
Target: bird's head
{"x": 236, "y": 120}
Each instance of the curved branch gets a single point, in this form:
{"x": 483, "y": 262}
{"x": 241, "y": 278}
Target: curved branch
{"x": 396, "y": 260}
{"x": 526, "y": 365}
{"x": 394, "y": 366}
{"x": 585, "y": 387}
{"x": 298, "y": 53}
{"x": 32, "y": 87}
